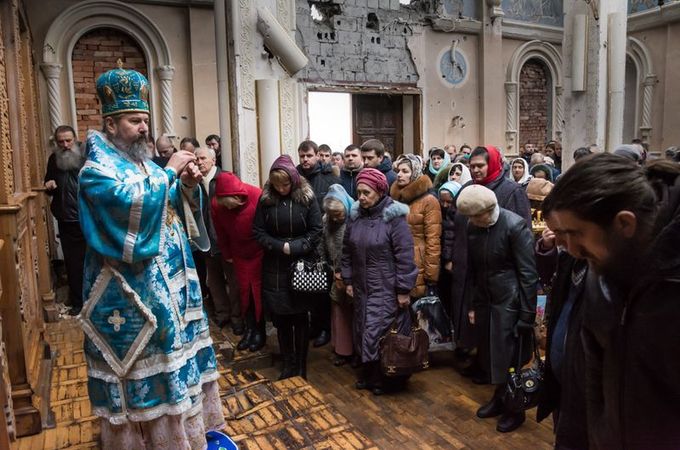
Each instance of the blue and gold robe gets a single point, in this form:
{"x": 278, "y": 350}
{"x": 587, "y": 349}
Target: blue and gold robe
{"x": 147, "y": 343}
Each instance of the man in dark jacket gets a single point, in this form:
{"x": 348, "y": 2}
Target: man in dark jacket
{"x": 61, "y": 183}
{"x": 373, "y": 154}
{"x": 320, "y": 177}
{"x": 563, "y": 393}
{"x": 350, "y": 170}
{"x": 604, "y": 210}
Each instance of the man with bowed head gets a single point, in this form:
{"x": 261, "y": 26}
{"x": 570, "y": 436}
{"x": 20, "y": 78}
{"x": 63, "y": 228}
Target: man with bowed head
{"x": 630, "y": 328}
{"x": 152, "y": 372}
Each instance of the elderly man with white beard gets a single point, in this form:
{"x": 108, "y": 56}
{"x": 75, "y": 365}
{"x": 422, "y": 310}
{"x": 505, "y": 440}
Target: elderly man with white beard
{"x": 61, "y": 183}
{"x": 151, "y": 367}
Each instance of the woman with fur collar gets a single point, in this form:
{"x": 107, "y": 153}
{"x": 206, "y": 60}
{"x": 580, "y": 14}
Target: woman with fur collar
{"x": 378, "y": 271}
{"x": 424, "y": 219}
{"x": 287, "y": 225}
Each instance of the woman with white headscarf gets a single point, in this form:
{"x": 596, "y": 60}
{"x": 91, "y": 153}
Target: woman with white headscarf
{"x": 413, "y": 188}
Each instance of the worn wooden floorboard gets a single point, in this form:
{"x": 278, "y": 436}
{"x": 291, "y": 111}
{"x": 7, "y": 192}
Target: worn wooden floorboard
{"x": 437, "y": 411}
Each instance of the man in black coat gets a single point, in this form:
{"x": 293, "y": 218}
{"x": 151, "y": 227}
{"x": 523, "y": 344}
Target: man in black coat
{"x": 563, "y": 393}
{"x": 604, "y": 210}
{"x": 61, "y": 183}
{"x": 320, "y": 176}
{"x": 350, "y": 170}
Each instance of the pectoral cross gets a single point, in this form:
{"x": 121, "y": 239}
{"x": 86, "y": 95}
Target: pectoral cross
{"x": 116, "y": 320}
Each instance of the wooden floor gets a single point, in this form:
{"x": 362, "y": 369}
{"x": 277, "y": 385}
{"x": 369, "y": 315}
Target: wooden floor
{"x": 436, "y": 411}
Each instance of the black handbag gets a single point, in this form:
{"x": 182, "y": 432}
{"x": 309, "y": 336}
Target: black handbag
{"x": 310, "y": 277}
{"x": 523, "y": 386}
{"x": 404, "y": 354}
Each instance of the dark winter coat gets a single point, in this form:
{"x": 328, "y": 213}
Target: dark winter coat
{"x": 295, "y": 219}
{"x": 511, "y": 196}
{"x": 377, "y": 260}
{"x": 320, "y": 178}
{"x": 348, "y": 180}
{"x": 386, "y": 168}
{"x": 234, "y": 231}
{"x": 425, "y": 222}
{"x": 565, "y": 400}
{"x": 631, "y": 338}
{"x": 505, "y": 279}
{"x": 461, "y": 286}
{"x": 64, "y": 204}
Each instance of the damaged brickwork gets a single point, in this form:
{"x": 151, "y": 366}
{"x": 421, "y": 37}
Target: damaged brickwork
{"x": 358, "y": 41}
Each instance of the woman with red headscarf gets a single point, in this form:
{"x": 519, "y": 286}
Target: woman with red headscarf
{"x": 486, "y": 167}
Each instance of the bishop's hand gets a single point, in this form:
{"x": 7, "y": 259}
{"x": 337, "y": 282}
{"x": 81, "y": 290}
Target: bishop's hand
{"x": 191, "y": 175}
{"x": 180, "y": 159}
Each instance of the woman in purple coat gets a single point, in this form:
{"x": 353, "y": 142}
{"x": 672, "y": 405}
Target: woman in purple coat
{"x": 378, "y": 269}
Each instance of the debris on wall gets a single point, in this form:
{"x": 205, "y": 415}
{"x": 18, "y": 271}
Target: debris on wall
{"x": 359, "y": 41}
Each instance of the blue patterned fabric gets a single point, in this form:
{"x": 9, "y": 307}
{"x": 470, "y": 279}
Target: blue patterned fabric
{"x": 147, "y": 342}
{"x": 123, "y": 91}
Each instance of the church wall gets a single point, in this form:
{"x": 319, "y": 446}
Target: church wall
{"x": 665, "y": 56}
{"x": 190, "y": 36}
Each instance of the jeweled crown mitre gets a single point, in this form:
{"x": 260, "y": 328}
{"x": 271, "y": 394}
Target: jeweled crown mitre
{"x": 123, "y": 91}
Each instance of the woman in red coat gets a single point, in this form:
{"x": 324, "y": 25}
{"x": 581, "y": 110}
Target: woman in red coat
{"x": 233, "y": 211}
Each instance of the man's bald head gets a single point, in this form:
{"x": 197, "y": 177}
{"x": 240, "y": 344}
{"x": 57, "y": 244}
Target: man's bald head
{"x": 164, "y": 146}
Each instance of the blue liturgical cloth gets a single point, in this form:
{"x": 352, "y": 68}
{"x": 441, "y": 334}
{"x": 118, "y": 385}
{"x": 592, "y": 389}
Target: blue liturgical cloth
{"x": 147, "y": 342}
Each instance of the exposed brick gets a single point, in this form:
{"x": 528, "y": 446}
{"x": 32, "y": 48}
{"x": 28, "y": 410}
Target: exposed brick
{"x": 533, "y": 103}
{"x": 95, "y": 53}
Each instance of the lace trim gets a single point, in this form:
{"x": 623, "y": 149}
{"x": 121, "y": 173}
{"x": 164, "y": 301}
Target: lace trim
{"x": 186, "y": 406}
{"x": 152, "y": 365}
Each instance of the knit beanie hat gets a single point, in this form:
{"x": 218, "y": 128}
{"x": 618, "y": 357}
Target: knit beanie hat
{"x": 374, "y": 179}
{"x": 476, "y": 199}
{"x": 285, "y": 163}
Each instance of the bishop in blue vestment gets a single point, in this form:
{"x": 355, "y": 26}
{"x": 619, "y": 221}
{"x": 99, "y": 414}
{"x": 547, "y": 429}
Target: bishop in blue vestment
{"x": 151, "y": 367}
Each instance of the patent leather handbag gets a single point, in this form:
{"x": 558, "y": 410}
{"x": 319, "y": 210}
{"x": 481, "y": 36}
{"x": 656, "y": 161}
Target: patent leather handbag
{"x": 310, "y": 277}
{"x": 404, "y": 354}
{"x": 523, "y": 386}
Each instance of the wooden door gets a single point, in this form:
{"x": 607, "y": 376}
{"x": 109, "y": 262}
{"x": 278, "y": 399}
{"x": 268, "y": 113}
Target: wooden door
{"x": 378, "y": 116}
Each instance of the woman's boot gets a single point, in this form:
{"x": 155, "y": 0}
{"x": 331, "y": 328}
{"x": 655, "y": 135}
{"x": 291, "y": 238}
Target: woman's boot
{"x": 302, "y": 346}
{"x": 493, "y": 407}
{"x": 287, "y": 349}
{"x": 259, "y": 337}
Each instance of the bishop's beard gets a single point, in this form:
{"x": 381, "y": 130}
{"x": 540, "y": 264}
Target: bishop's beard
{"x": 70, "y": 159}
{"x": 137, "y": 150}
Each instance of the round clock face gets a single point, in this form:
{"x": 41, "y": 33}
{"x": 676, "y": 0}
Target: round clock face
{"x": 453, "y": 72}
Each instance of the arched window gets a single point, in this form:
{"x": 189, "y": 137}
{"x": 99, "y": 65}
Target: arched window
{"x": 535, "y": 103}
{"x": 537, "y": 56}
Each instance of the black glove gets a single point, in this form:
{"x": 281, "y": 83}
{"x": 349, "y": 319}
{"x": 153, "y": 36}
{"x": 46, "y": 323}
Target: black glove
{"x": 522, "y": 328}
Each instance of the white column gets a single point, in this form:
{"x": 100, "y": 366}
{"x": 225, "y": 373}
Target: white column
{"x": 616, "y": 49}
{"x": 222, "y": 82}
{"x": 511, "y": 118}
{"x": 166, "y": 74}
{"x": 647, "y": 93}
{"x": 52, "y": 72}
{"x": 268, "y": 124}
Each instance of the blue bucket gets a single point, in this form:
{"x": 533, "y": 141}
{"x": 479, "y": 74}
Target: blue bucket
{"x": 219, "y": 441}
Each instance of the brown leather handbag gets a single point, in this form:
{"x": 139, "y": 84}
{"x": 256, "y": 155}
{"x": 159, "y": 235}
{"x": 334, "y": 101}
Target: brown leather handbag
{"x": 404, "y": 354}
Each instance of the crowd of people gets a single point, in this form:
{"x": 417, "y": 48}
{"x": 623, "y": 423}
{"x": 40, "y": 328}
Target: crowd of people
{"x": 152, "y": 235}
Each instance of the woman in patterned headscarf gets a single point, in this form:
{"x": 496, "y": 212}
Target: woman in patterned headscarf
{"x": 425, "y": 220}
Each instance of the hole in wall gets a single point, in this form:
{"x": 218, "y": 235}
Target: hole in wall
{"x": 322, "y": 12}
{"x": 372, "y": 22}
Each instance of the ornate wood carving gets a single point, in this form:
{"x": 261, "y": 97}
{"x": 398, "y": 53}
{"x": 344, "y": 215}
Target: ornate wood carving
{"x": 245, "y": 54}
{"x": 288, "y": 115}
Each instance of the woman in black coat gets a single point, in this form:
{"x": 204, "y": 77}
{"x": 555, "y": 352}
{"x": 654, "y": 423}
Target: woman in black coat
{"x": 501, "y": 250}
{"x": 288, "y": 226}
